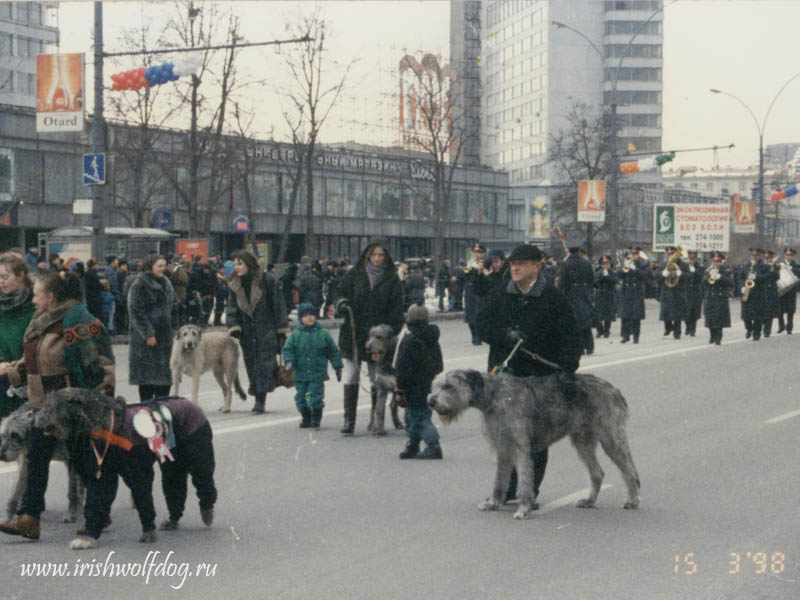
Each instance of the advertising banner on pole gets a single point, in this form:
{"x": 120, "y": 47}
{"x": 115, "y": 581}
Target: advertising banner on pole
{"x": 744, "y": 215}
{"x": 59, "y": 92}
{"x": 192, "y": 248}
{"x": 701, "y": 227}
{"x": 592, "y": 201}
{"x": 539, "y": 219}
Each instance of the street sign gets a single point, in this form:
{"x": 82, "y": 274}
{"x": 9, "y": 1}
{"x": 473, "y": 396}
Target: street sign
{"x": 82, "y": 206}
{"x": 94, "y": 169}
{"x": 241, "y": 223}
{"x": 162, "y": 218}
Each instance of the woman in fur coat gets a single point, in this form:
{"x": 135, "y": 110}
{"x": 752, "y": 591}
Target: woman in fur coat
{"x": 256, "y": 315}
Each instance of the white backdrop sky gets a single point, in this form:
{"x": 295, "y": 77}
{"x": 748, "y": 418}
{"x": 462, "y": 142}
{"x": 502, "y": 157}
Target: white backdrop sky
{"x": 745, "y": 47}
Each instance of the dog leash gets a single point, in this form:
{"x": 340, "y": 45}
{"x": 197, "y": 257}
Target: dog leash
{"x": 542, "y": 360}
{"x": 504, "y": 364}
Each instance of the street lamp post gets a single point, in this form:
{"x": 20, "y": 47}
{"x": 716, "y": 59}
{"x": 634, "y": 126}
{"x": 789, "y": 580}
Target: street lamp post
{"x": 760, "y": 128}
{"x": 612, "y": 76}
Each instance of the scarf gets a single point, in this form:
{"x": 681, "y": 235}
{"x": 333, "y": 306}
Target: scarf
{"x": 373, "y": 273}
{"x": 43, "y": 319}
{"x": 11, "y": 301}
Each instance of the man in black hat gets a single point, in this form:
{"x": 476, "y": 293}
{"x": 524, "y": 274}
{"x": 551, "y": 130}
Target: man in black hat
{"x": 533, "y": 311}
{"x": 693, "y": 291}
{"x": 576, "y": 280}
{"x": 673, "y": 303}
{"x": 789, "y": 298}
{"x": 633, "y": 276}
{"x": 752, "y": 275}
{"x": 772, "y": 299}
{"x": 473, "y": 301}
{"x": 717, "y": 284}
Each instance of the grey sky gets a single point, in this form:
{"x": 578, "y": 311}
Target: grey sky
{"x": 744, "y": 47}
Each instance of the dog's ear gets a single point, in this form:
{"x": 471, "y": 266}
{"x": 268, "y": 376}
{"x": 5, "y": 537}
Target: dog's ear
{"x": 475, "y": 383}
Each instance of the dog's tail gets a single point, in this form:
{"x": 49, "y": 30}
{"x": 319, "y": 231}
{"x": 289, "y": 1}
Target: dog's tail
{"x": 238, "y": 387}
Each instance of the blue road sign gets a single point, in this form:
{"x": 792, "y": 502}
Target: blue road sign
{"x": 94, "y": 169}
{"x": 162, "y": 218}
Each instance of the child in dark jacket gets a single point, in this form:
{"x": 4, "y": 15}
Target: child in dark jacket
{"x": 307, "y": 352}
{"x": 419, "y": 360}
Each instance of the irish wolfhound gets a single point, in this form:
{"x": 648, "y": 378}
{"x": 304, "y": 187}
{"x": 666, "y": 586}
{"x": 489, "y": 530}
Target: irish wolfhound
{"x": 195, "y": 352}
{"x": 72, "y": 414}
{"x": 15, "y": 431}
{"x": 527, "y": 414}
{"x": 381, "y": 345}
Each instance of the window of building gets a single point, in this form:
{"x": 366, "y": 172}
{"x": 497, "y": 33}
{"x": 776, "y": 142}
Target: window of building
{"x": 6, "y": 81}
{"x": 631, "y": 27}
{"x": 709, "y": 186}
{"x": 353, "y": 198}
{"x": 6, "y": 170}
{"x": 634, "y": 74}
{"x": 630, "y": 97}
{"x": 35, "y": 13}
{"x": 334, "y": 197}
{"x": 633, "y": 50}
{"x": 5, "y": 11}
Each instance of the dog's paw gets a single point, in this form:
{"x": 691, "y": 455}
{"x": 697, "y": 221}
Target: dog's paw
{"x": 81, "y": 543}
{"x": 147, "y": 537}
{"x": 522, "y": 513}
{"x": 488, "y": 504}
{"x": 378, "y": 432}
{"x": 224, "y": 409}
{"x": 585, "y": 503}
{"x": 631, "y": 504}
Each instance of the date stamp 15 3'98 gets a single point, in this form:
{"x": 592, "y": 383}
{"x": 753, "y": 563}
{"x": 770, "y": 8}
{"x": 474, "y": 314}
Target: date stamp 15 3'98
{"x": 756, "y": 563}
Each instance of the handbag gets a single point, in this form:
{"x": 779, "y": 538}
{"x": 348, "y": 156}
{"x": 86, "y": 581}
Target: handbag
{"x": 284, "y": 376}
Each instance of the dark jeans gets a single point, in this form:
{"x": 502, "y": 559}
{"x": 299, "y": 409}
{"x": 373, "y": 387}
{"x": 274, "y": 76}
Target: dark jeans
{"x": 631, "y": 327}
{"x": 539, "y": 460}
{"x": 421, "y": 427}
{"x": 193, "y": 456}
{"x": 753, "y": 328}
{"x": 588, "y": 340}
{"x": 40, "y": 451}
{"x": 767, "y": 327}
{"x": 787, "y": 324}
{"x": 148, "y": 392}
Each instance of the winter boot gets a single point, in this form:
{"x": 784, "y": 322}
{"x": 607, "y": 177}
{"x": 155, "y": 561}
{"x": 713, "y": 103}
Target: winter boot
{"x": 316, "y": 418}
{"x": 432, "y": 451}
{"x": 258, "y": 407}
{"x": 411, "y": 450}
{"x": 23, "y": 525}
{"x": 350, "y": 405}
{"x": 306, "y": 422}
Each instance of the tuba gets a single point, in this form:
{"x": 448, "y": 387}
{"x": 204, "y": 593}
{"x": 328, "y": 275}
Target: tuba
{"x": 673, "y": 278}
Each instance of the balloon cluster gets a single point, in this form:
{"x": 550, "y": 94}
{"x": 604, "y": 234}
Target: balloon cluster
{"x": 141, "y": 77}
{"x": 790, "y": 191}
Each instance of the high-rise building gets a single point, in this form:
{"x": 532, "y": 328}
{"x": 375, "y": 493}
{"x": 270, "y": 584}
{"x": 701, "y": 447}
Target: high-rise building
{"x": 26, "y": 29}
{"x": 531, "y": 72}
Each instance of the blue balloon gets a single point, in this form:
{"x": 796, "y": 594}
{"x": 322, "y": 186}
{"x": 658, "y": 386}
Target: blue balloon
{"x": 790, "y": 191}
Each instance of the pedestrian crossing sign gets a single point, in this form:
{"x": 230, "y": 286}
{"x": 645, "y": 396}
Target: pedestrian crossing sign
{"x": 94, "y": 169}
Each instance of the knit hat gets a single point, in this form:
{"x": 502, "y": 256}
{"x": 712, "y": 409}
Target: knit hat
{"x": 525, "y": 252}
{"x": 305, "y": 308}
{"x": 496, "y": 253}
{"x": 417, "y": 314}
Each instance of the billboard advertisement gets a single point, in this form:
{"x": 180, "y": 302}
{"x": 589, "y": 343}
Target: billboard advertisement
{"x": 701, "y": 227}
{"x": 192, "y": 248}
{"x": 539, "y": 219}
{"x": 744, "y": 215}
{"x": 592, "y": 201}
{"x": 425, "y": 103}
{"x": 59, "y": 92}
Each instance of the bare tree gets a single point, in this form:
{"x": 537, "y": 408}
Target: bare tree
{"x": 208, "y": 156}
{"x": 442, "y": 131}
{"x": 311, "y": 98}
{"x": 581, "y": 151}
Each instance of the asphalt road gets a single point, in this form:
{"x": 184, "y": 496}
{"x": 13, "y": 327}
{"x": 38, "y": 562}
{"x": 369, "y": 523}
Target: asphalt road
{"x": 713, "y": 431}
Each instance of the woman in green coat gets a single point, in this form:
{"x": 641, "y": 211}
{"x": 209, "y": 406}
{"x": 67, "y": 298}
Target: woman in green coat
{"x": 16, "y": 310}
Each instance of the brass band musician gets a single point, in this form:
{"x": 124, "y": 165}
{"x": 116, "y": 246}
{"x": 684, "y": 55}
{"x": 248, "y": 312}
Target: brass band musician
{"x": 789, "y": 297}
{"x": 753, "y": 273}
{"x": 717, "y": 285}
{"x": 693, "y": 292}
{"x": 673, "y": 302}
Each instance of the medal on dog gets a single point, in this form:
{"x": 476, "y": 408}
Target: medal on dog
{"x": 149, "y": 425}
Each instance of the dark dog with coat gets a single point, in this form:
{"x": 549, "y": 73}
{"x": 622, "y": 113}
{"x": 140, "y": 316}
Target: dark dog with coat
{"x": 527, "y": 414}
{"x": 104, "y": 444}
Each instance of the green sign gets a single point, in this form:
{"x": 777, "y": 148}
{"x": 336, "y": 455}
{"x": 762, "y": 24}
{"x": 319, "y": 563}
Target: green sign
{"x": 663, "y": 225}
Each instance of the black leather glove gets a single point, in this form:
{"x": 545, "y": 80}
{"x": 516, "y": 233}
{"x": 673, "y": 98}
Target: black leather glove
{"x": 400, "y": 396}
{"x": 237, "y": 334}
{"x": 338, "y": 373}
{"x": 568, "y": 386}
{"x": 514, "y": 334}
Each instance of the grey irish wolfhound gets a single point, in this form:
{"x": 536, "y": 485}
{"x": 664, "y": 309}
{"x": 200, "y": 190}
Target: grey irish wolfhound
{"x": 381, "y": 345}
{"x": 195, "y": 352}
{"x": 524, "y": 414}
{"x": 15, "y": 432}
